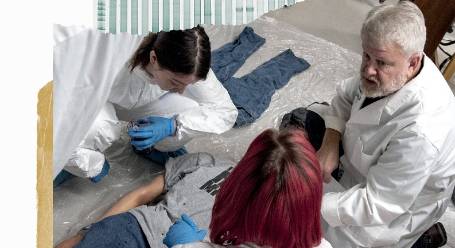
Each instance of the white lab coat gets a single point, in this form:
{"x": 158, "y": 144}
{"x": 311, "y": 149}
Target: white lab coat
{"x": 204, "y": 107}
{"x": 87, "y": 160}
{"x": 399, "y": 162}
{"x": 90, "y": 70}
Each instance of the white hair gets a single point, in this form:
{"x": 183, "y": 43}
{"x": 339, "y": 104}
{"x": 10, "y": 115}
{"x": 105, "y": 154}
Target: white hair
{"x": 402, "y": 23}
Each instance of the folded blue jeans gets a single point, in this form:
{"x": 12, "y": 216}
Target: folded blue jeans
{"x": 253, "y": 92}
{"x": 227, "y": 59}
{"x": 117, "y": 231}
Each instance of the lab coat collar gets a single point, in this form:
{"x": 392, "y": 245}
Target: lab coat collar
{"x": 141, "y": 73}
{"x": 370, "y": 114}
{"x": 410, "y": 89}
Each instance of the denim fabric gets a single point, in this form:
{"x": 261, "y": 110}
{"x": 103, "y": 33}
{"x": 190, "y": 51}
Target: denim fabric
{"x": 252, "y": 93}
{"x": 227, "y": 59}
{"x": 118, "y": 231}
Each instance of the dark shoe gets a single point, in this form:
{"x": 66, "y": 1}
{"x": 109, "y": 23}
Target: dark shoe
{"x": 159, "y": 157}
{"x": 179, "y": 152}
{"x": 62, "y": 177}
{"x": 102, "y": 174}
{"x": 435, "y": 236}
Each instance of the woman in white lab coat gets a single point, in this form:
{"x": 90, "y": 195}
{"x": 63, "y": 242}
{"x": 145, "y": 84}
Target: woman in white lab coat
{"x": 169, "y": 90}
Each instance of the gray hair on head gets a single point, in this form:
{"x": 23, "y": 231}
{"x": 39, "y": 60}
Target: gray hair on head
{"x": 402, "y": 24}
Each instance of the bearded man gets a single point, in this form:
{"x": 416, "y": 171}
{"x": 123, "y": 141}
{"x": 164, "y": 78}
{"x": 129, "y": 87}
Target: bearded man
{"x": 396, "y": 124}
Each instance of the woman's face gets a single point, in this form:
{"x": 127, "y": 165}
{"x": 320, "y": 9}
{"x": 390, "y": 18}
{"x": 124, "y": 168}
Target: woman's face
{"x": 167, "y": 80}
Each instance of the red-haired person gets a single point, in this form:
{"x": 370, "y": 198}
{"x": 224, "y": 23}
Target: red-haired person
{"x": 272, "y": 198}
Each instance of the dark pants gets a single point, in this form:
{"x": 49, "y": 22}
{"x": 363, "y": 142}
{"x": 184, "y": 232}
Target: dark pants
{"x": 252, "y": 93}
{"x": 118, "y": 231}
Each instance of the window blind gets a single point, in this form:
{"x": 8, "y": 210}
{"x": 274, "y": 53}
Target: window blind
{"x": 142, "y": 16}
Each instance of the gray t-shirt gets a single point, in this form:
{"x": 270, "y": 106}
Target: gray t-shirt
{"x": 191, "y": 182}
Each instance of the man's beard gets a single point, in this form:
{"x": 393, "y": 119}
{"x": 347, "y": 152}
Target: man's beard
{"x": 377, "y": 89}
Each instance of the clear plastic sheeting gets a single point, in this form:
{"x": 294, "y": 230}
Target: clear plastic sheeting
{"x": 330, "y": 64}
{"x": 79, "y": 202}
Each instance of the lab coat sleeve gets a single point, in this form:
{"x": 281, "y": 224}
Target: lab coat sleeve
{"x": 392, "y": 185}
{"x": 340, "y": 108}
{"x": 216, "y": 113}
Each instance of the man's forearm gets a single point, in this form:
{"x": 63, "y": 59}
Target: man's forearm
{"x": 331, "y": 138}
{"x": 328, "y": 154}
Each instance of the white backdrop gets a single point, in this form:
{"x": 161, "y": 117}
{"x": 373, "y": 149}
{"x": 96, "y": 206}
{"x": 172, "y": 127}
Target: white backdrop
{"x": 26, "y": 54}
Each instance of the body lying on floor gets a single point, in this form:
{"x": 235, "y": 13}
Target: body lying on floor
{"x": 278, "y": 176}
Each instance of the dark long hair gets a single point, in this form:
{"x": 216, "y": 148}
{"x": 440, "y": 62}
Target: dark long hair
{"x": 179, "y": 51}
{"x": 273, "y": 196}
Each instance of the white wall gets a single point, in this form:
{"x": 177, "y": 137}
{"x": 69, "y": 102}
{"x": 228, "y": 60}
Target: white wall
{"x": 26, "y": 56}
{"x": 74, "y": 12}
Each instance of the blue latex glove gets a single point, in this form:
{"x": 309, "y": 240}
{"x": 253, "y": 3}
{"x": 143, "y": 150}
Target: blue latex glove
{"x": 148, "y": 131}
{"x": 183, "y": 231}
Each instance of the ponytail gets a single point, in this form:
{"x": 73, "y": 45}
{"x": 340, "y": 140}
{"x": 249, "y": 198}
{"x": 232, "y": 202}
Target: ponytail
{"x": 203, "y": 55}
{"x": 142, "y": 55}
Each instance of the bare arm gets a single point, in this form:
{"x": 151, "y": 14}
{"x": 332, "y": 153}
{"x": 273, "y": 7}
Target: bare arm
{"x": 328, "y": 154}
{"x": 137, "y": 197}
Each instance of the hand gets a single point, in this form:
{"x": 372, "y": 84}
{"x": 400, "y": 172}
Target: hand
{"x": 71, "y": 242}
{"x": 328, "y": 159}
{"x": 183, "y": 231}
{"x": 147, "y": 132}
